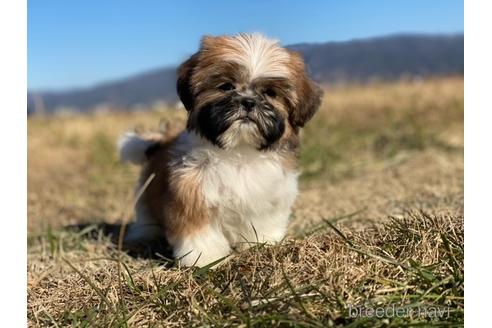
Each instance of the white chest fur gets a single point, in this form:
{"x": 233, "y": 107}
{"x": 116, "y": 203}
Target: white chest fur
{"x": 251, "y": 192}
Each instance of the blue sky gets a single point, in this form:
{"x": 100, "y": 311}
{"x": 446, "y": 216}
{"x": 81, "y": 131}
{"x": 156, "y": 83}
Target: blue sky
{"x": 81, "y": 43}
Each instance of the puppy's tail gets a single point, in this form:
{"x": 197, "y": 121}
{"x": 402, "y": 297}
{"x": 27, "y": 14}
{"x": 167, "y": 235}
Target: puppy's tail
{"x": 135, "y": 148}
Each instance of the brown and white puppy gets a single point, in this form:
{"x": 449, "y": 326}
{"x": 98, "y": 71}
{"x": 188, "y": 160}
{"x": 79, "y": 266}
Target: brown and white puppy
{"x": 230, "y": 178}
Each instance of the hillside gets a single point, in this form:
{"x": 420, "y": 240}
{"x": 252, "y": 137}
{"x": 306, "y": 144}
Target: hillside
{"x": 357, "y": 60}
{"x": 385, "y": 58}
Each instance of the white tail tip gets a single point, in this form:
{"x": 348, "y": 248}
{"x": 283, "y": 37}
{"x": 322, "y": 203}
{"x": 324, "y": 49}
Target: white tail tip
{"x": 132, "y": 148}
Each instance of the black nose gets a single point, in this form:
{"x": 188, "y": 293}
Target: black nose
{"x": 248, "y": 103}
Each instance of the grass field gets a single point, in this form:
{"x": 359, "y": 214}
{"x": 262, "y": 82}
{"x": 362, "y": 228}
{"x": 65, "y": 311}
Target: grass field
{"x": 378, "y": 224}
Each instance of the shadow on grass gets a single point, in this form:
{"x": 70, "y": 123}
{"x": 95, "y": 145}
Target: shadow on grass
{"x": 150, "y": 248}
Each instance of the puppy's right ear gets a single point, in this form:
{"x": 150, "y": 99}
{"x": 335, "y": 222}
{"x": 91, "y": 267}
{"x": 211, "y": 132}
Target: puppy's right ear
{"x": 183, "y": 85}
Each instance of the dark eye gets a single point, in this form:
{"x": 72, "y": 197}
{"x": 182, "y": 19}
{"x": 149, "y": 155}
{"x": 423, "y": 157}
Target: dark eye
{"x": 227, "y": 86}
{"x": 270, "y": 93}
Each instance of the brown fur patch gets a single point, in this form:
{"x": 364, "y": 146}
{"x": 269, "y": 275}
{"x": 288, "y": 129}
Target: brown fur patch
{"x": 288, "y": 149}
{"x": 308, "y": 93}
{"x": 173, "y": 198}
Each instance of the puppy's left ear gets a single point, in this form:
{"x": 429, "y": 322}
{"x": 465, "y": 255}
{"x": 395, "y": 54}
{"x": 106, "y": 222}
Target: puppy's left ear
{"x": 183, "y": 85}
{"x": 309, "y": 94}
{"x": 310, "y": 100}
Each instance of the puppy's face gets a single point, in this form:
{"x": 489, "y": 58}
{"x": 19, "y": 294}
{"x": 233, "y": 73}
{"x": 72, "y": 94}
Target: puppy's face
{"x": 246, "y": 89}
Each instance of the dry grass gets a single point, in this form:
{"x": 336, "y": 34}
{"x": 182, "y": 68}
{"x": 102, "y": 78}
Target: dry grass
{"x": 379, "y": 223}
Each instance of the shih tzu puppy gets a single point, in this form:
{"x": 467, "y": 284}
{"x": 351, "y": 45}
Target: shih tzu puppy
{"x": 230, "y": 178}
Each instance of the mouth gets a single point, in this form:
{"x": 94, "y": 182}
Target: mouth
{"x": 246, "y": 120}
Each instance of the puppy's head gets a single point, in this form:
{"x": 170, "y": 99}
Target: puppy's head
{"x": 246, "y": 89}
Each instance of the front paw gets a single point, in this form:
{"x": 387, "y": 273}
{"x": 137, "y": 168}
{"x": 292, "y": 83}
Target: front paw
{"x": 201, "y": 247}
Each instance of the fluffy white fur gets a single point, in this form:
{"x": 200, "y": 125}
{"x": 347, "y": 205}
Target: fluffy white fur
{"x": 261, "y": 55}
{"x": 132, "y": 147}
{"x": 251, "y": 192}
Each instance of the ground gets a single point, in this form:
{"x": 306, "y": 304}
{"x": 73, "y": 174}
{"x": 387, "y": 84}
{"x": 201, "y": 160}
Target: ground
{"x": 378, "y": 225}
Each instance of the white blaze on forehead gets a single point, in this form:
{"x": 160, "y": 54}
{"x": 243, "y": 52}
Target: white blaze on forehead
{"x": 260, "y": 55}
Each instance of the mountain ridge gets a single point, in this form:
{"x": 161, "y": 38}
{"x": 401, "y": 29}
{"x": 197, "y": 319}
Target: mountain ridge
{"x": 387, "y": 57}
